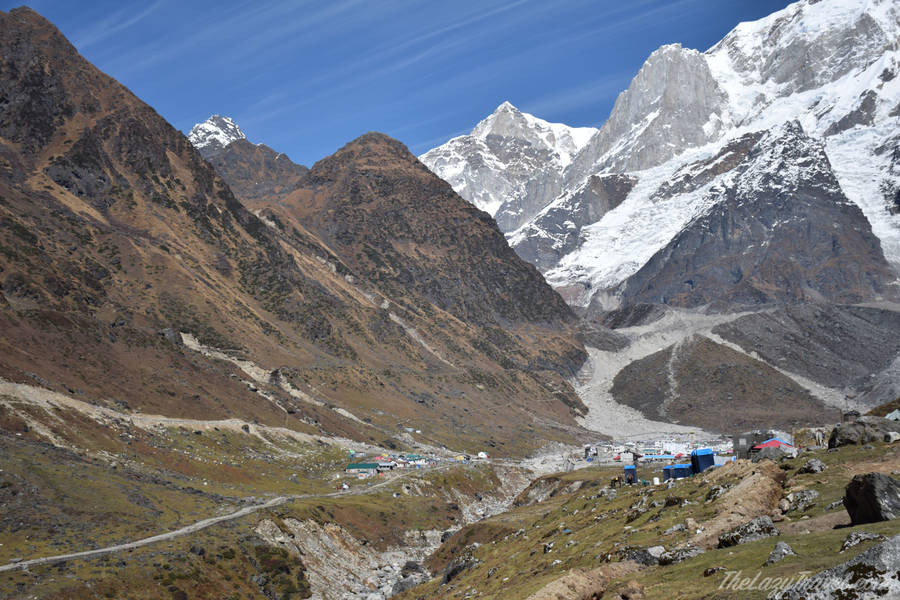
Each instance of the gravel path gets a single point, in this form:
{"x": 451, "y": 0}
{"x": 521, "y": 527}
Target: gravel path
{"x": 24, "y": 564}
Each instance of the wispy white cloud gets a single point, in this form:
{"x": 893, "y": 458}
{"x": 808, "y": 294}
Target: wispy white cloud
{"x": 426, "y": 145}
{"x": 111, "y": 25}
{"x": 576, "y": 97}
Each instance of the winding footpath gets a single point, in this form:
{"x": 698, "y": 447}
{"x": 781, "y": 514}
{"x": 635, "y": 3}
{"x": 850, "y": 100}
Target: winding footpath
{"x": 203, "y": 524}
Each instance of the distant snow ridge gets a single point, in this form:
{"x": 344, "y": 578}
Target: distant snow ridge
{"x": 211, "y": 136}
{"x": 832, "y": 66}
{"x": 511, "y": 165}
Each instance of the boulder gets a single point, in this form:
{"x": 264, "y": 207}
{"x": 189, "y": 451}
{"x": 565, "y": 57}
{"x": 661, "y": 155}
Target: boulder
{"x": 771, "y": 453}
{"x": 872, "y": 497}
{"x": 871, "y": 575}
{"x": 813, "y": 465}
{"x": 676, "y": 556}
{"x": 715, "y": 492}
{"x": 755, "y": 529}
{"x": 858, "y": 537}
{"x": 780, "y": 552}
{"x": 643, "y": 556}
{"x": 800, "y": 501}
{"x": 864, "y": 430}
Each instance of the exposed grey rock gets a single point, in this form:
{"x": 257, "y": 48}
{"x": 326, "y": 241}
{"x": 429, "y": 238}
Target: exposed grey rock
{"x": 780, "y": 552}
{"x": 715, "y": 492}
{"x": 556, "y": 230}
{"x": 870, "y": 575}
{"x": 872, "y": 497}
{"x": 801, "y": 500}
{"x": 864, "y": 430}
{"x": 644, "y": 556}
{"x": 863, "y": 114}
{"x": 676, "y": 85}
{"x": 633, "y": 315}
{"x": 459, "y": 564}
{"x": 511, "y": 165}
{"x": 801, "y": 227}
{"x": 755, "y": 529}
{"x": 857, "y": 537}
{"x": 769, "y": 453}
{"x": 674, "y": 529}
{"x": 676, "y": 556}
{"x": 813, "y": 465}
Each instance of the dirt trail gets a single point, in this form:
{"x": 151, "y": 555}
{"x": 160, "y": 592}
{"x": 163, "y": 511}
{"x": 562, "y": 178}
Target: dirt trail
{"x": 194, "y": 527}
{"x": 16, "y": 395}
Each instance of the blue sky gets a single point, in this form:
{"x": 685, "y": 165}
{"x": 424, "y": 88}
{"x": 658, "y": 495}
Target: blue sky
{"x": 305, "y": 77}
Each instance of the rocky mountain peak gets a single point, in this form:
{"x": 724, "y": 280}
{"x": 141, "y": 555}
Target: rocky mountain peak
{"x": 505, "y": 120}
{"x": 511, "y": 164}
{"x": 809, "y": 43}
{"x": 370, "y": 152}
{"x": 673, "y": 103}
{"x": 212, "y": 135}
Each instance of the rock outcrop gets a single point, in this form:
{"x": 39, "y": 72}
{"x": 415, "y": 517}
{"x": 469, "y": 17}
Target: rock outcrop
{"x": 864, "y": 430}
{"x": 780, "y": 230}
{"x": 871, "y": 575}
{"x": 751, "y": 531}
{"x": 872, "y": 497}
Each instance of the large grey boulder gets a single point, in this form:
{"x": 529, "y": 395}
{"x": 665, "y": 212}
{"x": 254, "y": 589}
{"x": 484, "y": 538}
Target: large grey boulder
{"x": 872, "y": 497}
{"x": 771, "y": 453}
{"x": 865, "y": 430}
{"x": 756, "y": 529}
{"x": 871, "y": 575}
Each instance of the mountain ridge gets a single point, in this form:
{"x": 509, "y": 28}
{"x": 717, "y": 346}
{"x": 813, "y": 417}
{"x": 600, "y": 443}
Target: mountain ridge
{"x": 684, "y": 107}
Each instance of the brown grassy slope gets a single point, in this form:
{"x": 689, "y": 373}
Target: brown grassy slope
{"x": 710, "y": 381}
{"x": 112, "y": 227}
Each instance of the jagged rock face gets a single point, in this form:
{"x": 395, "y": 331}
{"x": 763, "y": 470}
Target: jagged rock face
{"x": 556, "y": 230}
{"x": 674, "y": 102}
{"x": 255, "y": 172}
{"x": 780, "y": 231}
{"x": 214, "y": 134}
{"x": 806, "y": 46}
{"x": 510, "y": 165}
{"x": 686, "y": 122}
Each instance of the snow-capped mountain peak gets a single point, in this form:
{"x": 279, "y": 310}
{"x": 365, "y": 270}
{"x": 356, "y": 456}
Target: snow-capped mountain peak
{"x": 212, "y": 135}
{"x": 509, "y": 121}
{"x": 811, "y": 92}
{"x": 511, "y": 164}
